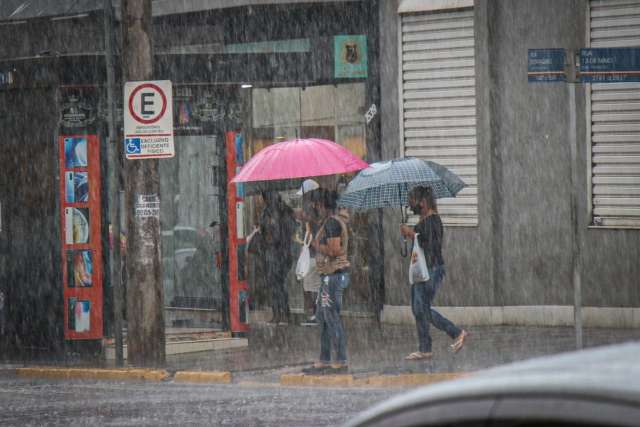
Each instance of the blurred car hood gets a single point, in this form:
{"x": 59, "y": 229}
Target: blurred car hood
{"x": 606, "y": 373}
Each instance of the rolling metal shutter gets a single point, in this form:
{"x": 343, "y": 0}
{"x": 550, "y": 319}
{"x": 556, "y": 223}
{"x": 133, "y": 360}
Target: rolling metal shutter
{"x": 615, "y": 122}
{"x": 438, "y": 101}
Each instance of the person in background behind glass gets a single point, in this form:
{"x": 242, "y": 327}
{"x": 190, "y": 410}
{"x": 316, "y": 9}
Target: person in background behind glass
{"x": 276, "y": 230}
{"x": 216, "y": 239}
{"x": 3, "y": 306}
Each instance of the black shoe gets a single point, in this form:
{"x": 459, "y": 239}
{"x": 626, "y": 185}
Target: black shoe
{"x": 274, "y": 320}
{"x": 310, "y": 322}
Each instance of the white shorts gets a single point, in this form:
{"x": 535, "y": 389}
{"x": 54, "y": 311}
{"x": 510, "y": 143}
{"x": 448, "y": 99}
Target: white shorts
{"x": 311, "y": 282}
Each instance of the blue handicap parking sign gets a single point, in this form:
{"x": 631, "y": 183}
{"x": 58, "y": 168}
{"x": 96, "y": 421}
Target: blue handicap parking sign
{"x": 132, "y": 145}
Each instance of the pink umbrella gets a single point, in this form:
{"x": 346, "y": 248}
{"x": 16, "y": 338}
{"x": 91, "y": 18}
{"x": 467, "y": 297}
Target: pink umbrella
{"x": 299, "y": 158}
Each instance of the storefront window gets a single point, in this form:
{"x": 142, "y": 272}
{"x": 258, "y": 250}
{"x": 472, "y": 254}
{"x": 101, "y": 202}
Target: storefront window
{"x": 192, "y": 195}
{"x": 333, "y": 112}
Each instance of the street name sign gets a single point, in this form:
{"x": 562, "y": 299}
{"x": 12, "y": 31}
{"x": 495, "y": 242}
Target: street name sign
{"x": 610, "y": 65}
{"x": 546, "y": 65}
{"x": 148, "y": 120}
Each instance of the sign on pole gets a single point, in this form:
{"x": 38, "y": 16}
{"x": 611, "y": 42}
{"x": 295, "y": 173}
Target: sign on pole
{"x": 610, "y": 65}
{"x": 148, "y": 120}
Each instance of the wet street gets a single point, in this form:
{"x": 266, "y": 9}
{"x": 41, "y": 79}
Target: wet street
{"x": 31, "y": 403}
{"x": 255, "y": 398}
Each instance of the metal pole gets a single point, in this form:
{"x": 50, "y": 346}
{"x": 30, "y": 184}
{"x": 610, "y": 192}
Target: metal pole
{"x": 113, "y": 149}
{"x": 575, "y": 241}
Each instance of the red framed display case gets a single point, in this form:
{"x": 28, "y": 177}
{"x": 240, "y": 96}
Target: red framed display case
{"x": 81, "y": 240}
{"x": 238, "y": 287}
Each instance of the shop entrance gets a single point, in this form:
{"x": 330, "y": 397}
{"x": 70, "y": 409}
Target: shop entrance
{"x": 193, "y": 206}
{"x": 334, "y": 112}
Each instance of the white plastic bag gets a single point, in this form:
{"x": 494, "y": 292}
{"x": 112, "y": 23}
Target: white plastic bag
{"x": 418, "y": 271}
{"x": 304, "y": 260}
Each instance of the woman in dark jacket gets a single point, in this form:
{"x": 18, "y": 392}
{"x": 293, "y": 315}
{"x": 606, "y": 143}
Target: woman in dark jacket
{"x": 430, "y": 233}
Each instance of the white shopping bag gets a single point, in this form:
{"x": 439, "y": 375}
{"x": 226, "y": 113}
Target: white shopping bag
{"x": 418, "y": 271}
{"x": 304, "y": 260}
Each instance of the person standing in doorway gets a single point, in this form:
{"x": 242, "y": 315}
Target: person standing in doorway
{"x": 2, "y": 315}
{"x": 310, "y": 193}
{"x": 276, "y": 228}
{"x": 215, "y": 235}
{"x": 331, "y": 246}
{"x": 430, "y": 232}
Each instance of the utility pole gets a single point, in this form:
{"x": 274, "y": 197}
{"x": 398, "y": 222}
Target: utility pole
{"x": 114, "y": 150}
{"x": 576, "y": 246}
{"x": 145, "y": 299}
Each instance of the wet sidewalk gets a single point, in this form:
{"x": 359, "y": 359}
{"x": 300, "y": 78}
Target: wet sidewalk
{"x": 381, "y": 348}
{"x": 373, "y": 348}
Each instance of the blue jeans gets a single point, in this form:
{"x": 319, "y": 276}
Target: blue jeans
{"x": 422, "y": 295}
{"x": 328, "y": 307}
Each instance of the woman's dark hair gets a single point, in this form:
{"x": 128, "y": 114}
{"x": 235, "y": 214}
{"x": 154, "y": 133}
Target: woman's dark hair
{"x": 274, "y": 203}
{"x": 424, "y": 192}
{"x": 329, "y": 199}
{"x": 270, "y": 198}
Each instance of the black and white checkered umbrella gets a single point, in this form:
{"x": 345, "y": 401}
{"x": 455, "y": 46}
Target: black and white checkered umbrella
{"x": 386, "y": 184}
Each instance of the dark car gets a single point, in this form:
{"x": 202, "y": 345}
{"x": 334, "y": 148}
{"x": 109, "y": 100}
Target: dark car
{"x": 597, "y": 387}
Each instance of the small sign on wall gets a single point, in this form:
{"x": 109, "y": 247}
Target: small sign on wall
{"x": 350, "y": 56}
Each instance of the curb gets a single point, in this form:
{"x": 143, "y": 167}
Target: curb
{"x": 203, "y": 377}
{"x": 409, "y": 380}
{"x": 225, "y": 377}
{"x": 317, "y": 380}
{"x": 380, "y": 381}
{"x": 7, "y": 372}
{"x": 93, "y": 374}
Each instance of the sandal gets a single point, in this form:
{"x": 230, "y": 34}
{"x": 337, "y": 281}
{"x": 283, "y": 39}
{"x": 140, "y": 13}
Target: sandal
{"x": 419, "y": 356}
{"x": 338, "y": 369}
{"x": 459, "y": 342}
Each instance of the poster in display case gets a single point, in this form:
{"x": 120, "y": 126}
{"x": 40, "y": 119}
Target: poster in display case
{"x": 79, "y": 268}
{"x": 75, "y": 152}
{"x": 76, "y": 187}
{"x": 79, "y": 315}
{"x": 77, "y": 225}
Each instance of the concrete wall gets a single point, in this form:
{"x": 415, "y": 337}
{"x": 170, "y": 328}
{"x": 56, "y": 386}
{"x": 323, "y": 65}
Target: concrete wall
{"x": 469, "y": 273}
{"x": 520, "y": 254}
{"x": 530, "y": 134}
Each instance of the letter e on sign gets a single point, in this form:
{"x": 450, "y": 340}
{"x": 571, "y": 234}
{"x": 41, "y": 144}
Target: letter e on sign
{"x": 147, "y": 103}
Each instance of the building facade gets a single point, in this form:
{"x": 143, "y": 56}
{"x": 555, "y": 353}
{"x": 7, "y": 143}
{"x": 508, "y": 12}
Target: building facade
{"x": 444, "y": 80}
{"x": 458, "y": 93}
{"x": 265, "y": 71}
